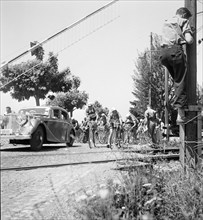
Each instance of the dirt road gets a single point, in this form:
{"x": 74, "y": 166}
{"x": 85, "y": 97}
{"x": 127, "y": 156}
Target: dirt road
{"x": 46, "y": 192}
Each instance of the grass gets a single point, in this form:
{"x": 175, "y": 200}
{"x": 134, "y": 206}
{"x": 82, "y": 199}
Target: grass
{"x": 163, "y": 192}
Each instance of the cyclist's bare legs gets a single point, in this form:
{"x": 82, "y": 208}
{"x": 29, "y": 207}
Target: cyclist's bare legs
{"x": 92, "y": 129}
{"x": 110, "y": 137}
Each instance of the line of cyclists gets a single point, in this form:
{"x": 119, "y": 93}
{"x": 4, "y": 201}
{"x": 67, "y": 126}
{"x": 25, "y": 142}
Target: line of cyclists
{"x": 109, "y": 129}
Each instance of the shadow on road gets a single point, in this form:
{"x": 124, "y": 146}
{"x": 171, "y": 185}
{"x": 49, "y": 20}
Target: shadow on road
{"x": 46, "y": 148}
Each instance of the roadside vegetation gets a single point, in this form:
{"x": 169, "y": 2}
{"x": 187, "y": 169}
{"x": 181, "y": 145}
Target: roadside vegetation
{"x": 162, "y": 192}
{"x": 158, "y": 190}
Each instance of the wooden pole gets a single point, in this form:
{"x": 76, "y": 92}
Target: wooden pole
{"x": 150, "y": 74}
{"x": 166, "y": 104}
{"x": 191, "y": 85}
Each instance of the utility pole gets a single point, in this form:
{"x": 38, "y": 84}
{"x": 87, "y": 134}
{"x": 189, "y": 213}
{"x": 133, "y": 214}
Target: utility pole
{"x": 150, "y": 74}
{"x": 188, "y": 132}
{"x": 166, "y": 104}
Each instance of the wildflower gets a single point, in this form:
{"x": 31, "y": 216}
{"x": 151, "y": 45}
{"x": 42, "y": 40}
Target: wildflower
{"x": 147, "y": 185}
{"x": 146, "y": 217}
{"x": 116, "y": 182}
{"x": 103, "y": 193}
{"x": 81, "y": 198}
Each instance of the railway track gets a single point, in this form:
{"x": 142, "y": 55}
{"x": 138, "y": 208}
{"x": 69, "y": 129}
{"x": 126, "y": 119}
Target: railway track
{"x": 149, "y": 158}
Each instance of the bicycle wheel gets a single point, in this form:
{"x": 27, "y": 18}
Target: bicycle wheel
{"x": 102, "y": 136}
{"x": 120, "y": 138}
{"x": 90, "y": 136}
{"x": 79, "y": 135}
{"x": 113, "y": 137}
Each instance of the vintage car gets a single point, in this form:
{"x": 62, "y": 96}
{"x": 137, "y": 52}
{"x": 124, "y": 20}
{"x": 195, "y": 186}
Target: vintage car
{"x": 39, "y": 125}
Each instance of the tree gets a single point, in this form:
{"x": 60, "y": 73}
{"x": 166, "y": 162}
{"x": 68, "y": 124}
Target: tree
{"x": 71, "y": 100}
{"x": 143, "y": 78}
{"x": 35, "y": 78}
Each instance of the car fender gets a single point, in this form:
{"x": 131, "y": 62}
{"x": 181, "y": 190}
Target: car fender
{"x": 35, "y": 123}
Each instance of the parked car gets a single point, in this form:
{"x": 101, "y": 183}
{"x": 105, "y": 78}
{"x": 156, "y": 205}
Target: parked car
{"x": 40, "y": 125}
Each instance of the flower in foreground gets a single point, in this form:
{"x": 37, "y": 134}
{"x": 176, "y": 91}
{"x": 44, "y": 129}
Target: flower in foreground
{"x": 103, "y": 193}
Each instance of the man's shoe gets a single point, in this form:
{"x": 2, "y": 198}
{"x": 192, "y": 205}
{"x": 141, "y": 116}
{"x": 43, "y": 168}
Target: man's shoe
{"x": 181, "y": 120}
{"x": 181, "y": 116}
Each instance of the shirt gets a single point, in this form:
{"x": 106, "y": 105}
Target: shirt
{"x": 174, "y": 29}
{"x": 114, "y": 116}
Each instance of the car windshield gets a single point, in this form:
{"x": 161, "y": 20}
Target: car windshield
{"x": 41, "y": 111}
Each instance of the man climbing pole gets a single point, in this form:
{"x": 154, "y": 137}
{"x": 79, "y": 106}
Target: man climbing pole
{"x": 177, "y": 32}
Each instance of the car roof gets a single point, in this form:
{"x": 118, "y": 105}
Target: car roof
{"x": 45, "y": 107}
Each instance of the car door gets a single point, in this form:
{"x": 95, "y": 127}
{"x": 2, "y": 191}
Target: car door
{"x": 55, "y": 126}
{"x": 66, "y": 125}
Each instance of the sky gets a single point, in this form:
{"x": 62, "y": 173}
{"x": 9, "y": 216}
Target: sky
{"x": 105, "y": 59}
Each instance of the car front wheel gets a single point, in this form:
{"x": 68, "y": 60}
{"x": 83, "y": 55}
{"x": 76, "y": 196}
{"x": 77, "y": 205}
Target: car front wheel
{"x": 37, "y": 139}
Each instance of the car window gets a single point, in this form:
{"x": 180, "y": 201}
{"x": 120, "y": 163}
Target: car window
{"x": 33, "y": 110}
{"x": 56, "y": 113}
{"x": 64, "y": 115}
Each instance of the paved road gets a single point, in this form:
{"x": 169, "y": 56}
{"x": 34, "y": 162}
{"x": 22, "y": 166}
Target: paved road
{"x": 39, "y": 193}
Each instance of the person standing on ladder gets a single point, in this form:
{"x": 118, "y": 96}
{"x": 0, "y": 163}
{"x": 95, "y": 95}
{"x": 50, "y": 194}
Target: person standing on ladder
{"x": 177, "y": 32}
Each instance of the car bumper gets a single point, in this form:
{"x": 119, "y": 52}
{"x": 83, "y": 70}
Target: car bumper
{"x": 16, "y": 137}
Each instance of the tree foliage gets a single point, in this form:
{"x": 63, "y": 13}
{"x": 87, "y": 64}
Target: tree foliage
{"x": 71, "y": 100}
{"x": 35, "y": 78}
{"x": 143, "y": 78}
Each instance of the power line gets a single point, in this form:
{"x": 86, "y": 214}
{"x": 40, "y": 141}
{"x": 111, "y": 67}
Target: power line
{"x": 60, "y": 32}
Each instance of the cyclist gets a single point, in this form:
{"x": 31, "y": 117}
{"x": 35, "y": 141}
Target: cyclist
{"x": 84, "y": 127}
{"x": 130, "y": 125}
{"x": 115, "y": 121}
{"x": 91, "y": 118}
{"x": 102, "y": 121}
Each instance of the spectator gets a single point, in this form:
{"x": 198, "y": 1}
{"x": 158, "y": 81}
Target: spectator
{"x": 158, "y": 129}
{"x": 8, "y": 111}
{"x": 150, "y": 119}
{"x": 176, "y": 34}
{"x": 75, "y": 124}
{"x": 5, "y": 118}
